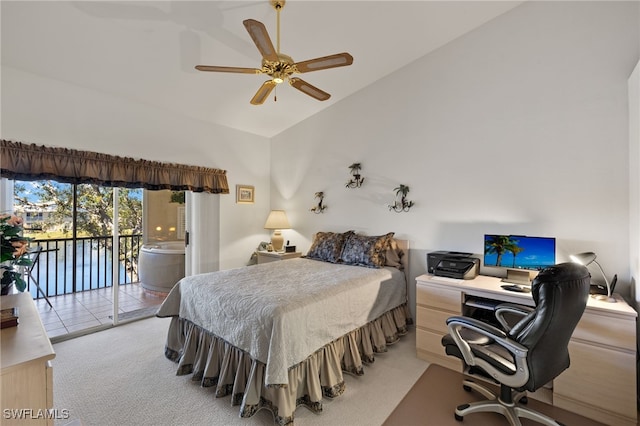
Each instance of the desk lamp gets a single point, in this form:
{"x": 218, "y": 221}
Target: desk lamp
{"x": 277, "y": 221}
{"x": 586, "y": 259}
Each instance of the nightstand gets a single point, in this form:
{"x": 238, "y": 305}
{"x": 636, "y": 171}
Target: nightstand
{"x": 272, "y": 256}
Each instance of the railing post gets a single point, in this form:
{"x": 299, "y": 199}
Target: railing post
{"x": 74, "y": 237}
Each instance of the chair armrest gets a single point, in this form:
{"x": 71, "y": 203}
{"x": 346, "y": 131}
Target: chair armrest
{"x": 519, "y": 352}
{"x": 510, "y": 308}
{"x": 478, "y": 326}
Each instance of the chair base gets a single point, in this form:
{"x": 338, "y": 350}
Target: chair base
{"x": 512, "y": 410}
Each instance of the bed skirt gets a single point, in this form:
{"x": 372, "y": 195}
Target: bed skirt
{"x": 215, "y": 362}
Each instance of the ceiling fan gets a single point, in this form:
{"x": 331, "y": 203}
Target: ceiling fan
{"x": 278, "y": 66}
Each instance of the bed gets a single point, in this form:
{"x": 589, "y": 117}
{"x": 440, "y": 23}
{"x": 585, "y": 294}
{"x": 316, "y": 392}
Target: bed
{"x": 280, "y": 335}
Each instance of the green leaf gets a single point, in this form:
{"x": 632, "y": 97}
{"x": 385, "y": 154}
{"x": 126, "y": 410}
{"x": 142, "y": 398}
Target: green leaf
{"x": 21, "y": 285}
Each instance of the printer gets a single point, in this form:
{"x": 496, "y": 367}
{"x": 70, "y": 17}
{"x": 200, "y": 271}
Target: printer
{"x": 453, "y": 264}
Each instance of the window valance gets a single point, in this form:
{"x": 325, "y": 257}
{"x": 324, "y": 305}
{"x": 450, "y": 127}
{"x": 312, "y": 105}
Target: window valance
{"x": 34, "y": 162}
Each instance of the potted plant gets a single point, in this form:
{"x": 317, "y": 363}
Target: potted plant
{"x": 13, "y": 253}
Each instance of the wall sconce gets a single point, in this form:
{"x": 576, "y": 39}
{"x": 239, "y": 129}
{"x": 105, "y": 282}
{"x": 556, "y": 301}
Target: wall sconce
{"x": 586, "y": 259}
{"x": 356, "y": 180}
{"x": 401, "y": 204}
{"x": 319, "y": 208}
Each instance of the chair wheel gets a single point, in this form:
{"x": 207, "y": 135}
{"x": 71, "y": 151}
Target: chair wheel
{"x": 467, "y": 388}
{"x": 524, "y": 400}
{"x": 458, "y": 418}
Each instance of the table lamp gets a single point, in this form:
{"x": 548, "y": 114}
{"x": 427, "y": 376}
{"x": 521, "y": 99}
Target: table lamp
{"x": 277, "y": 221}
{"x": 586, "y": 259}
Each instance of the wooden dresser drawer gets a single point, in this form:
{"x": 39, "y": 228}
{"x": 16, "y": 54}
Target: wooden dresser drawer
{"x": 432, "y": 319}
{"x": 606, "y": 330}
{"x": 429, "y": 348}
{"x": 430, "y": 342}
{"x": 440, "y": 298}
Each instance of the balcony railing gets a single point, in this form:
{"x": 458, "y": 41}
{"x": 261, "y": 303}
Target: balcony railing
{"x": 68, "y": 265}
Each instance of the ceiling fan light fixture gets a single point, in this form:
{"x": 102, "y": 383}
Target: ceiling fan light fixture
{"x": 278, "y": 78}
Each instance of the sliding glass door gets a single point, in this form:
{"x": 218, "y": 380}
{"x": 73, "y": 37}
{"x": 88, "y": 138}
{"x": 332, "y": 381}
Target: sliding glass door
{"x": 90, "y": 236}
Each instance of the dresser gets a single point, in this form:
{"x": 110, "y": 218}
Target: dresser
{"x": 26, "y": 374}
{"x": 601, "y": 381}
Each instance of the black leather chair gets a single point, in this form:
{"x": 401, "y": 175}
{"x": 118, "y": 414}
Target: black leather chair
{"x": 528, "y": 355}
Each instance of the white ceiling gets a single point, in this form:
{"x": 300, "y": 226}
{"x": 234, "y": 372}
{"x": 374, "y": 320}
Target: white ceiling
{"x": 145, "y": 51}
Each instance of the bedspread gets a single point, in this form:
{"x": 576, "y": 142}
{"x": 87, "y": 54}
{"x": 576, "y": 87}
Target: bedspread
{"x": 282, "y": 312}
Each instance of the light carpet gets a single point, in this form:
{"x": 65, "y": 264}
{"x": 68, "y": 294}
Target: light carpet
{"x": 120, "y": 377}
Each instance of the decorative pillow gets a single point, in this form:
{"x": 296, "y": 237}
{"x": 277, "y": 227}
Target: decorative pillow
{"x": 327, "y": 246}
{"x": 393, "y": 254}
{"x": 366, "y": 251}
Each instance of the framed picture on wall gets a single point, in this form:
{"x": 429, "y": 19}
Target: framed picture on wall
{"x": 245, "y": 194}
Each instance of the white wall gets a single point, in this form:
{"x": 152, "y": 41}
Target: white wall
{"x": 634, "y": 180}
{"x": 55, "y": 113}
{"x": 518, "y": 127}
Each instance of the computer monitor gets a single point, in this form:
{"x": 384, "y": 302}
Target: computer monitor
{"x": 519, "y": 255}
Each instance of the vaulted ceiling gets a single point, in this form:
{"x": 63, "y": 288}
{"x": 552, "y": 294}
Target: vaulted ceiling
{"x": 146, "y": 51}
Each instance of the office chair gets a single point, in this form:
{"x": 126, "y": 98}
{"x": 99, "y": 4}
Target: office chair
{"x": 528, "y": 355}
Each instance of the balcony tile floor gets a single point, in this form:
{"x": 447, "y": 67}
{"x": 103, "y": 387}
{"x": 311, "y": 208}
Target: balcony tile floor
{"x": 80, "y": 311}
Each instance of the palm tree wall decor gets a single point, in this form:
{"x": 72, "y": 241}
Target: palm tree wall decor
{"x": 356, "y": 180}
{"x": 319, "y": 208}
{"x": 401, "y": 204}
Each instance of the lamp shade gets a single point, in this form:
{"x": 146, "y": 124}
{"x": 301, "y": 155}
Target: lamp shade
{"x": 277, "y": 220}
{"x": 584, "y": 258}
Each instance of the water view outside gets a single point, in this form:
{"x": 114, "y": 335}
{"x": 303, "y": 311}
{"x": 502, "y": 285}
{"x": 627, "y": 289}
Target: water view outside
{"x": 55, "y": 267}
{"x": 47, "y": 208}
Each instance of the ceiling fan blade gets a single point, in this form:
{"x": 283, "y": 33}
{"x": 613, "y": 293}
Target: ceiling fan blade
{"x": 331, "y": 61}
{"x": 228, "y": 69}
{"x": 263, "y": 92}
{"x": 260, "y": 36}
{"x": 308, "y": 89}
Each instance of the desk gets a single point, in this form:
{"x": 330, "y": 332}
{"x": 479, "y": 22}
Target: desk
{"x": 601, "y": 382}
{"x": 26, "y": 374}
